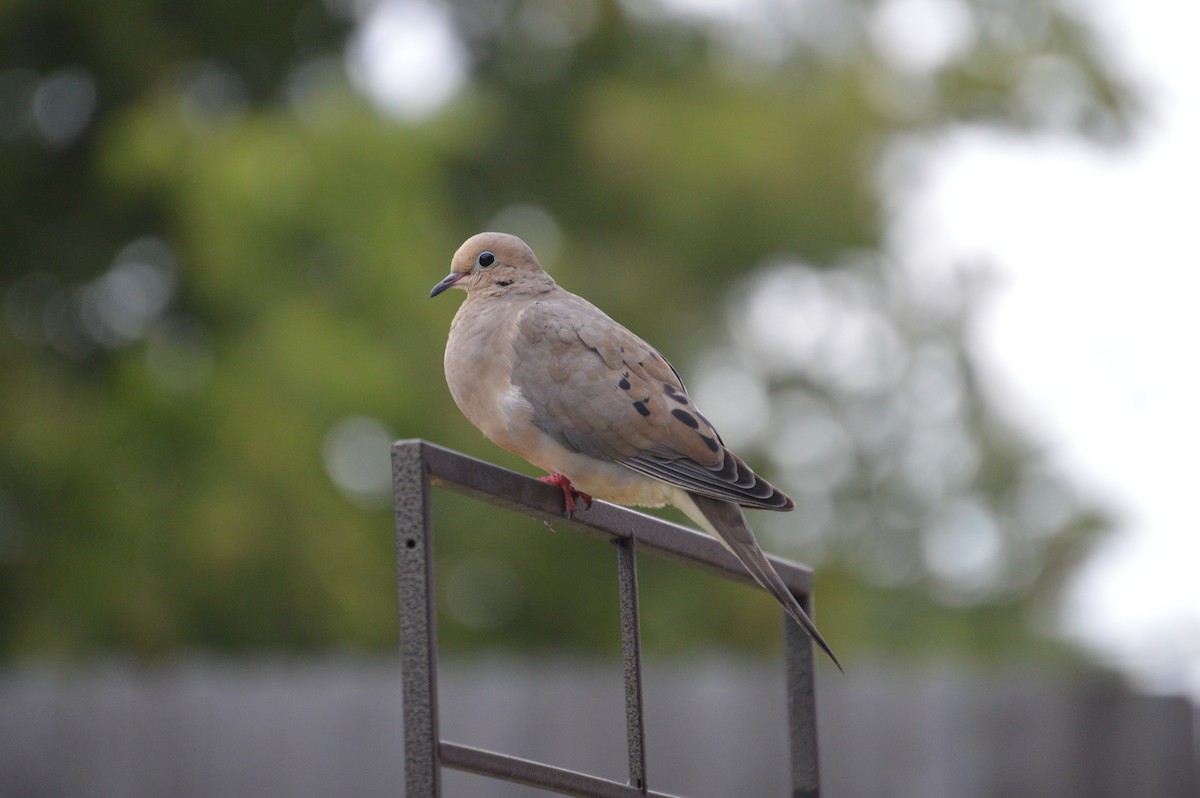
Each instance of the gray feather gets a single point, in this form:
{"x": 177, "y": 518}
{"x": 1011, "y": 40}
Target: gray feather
{"x": 728, "y": 521}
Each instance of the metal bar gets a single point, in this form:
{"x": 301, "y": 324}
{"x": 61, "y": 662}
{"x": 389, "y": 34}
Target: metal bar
{"x": 418, "y": 632}
{"x": 801, "y": 705}
{"x": 536, "y": 774}
{"x": 468, "y": 476}
{"x": 631, "y": 650}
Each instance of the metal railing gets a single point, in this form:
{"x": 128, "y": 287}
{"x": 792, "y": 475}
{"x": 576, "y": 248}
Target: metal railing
{"x": 416, "y": 467}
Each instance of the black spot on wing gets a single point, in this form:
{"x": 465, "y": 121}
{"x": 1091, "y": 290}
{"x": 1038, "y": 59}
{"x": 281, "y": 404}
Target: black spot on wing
{"x": 710, "y": 442}
{"x": 711, "y": 428}
{"x": 671, "y": 392}
{"x": 686, "y": 418}
{"x": 641, "y": 408}
{"x": 624, "y": 383}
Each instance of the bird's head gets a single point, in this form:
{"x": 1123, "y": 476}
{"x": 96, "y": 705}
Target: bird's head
{"x": 494, "y": 263}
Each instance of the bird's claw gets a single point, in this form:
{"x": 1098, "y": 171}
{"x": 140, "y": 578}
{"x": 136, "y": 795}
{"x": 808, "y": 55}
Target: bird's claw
{"x": 570, "y": 494}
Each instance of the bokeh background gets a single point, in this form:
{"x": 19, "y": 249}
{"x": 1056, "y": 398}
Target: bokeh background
{"x": 219, "y": 223}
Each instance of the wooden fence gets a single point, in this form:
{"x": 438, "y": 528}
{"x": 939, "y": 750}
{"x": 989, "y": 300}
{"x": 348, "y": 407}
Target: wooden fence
{"x": 333, "y": 727}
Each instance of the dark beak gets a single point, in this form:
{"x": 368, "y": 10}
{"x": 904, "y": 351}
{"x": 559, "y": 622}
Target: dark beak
{"x": 449, "y": 280}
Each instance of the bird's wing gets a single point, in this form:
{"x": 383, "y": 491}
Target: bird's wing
{"x": 598, "y": 389}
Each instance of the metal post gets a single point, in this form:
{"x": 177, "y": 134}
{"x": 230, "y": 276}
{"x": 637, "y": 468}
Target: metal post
{"x": 801, "y": 705}
{"x": 418, "y": 631}
{"x": 631, "y": 649}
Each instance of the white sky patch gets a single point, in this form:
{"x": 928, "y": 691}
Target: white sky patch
{"x": 921, "y": 35}
{"x": 1091, "y": 332}
{"x": 722, "y": 11}
{"x": 407, "y": 58}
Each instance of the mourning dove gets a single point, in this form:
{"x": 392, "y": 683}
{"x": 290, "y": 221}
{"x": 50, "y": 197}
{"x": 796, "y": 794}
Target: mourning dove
{"x": 548, "y": 376}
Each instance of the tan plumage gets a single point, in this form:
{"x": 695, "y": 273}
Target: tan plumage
{"x": 548, "y": 376}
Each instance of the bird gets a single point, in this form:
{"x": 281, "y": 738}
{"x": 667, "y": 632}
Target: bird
{"x": 548, "y": 376}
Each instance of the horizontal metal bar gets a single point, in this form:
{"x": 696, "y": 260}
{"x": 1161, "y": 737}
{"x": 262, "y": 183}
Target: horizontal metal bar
{"x": 489, "y": 483}
{"x": 536, "y": 774}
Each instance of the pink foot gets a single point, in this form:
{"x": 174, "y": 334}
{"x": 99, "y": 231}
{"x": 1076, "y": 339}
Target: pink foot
{"x": 568, "y": 491}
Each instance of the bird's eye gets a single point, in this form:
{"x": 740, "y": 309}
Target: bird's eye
{"x": 485, "y": 259}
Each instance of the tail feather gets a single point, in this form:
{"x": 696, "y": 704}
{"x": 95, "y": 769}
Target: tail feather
{"x": 725, "y": 521}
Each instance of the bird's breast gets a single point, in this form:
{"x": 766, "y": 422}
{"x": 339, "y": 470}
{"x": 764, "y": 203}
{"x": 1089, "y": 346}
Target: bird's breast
{"x": 478, "y": 365}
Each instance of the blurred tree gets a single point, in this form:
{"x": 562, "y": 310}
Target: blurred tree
{"x": 216, "y": 256}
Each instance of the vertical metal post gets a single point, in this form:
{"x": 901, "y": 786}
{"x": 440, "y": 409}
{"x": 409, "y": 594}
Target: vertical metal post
{"x": 801, "y": 706}
{"x": 631, "y": 649}
{"x": 418, "y": 632}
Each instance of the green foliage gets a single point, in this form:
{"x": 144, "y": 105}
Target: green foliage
{"x": 165, "y": 486}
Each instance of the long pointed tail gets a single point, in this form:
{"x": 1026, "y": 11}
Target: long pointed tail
{"x": 727, "y": 523}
